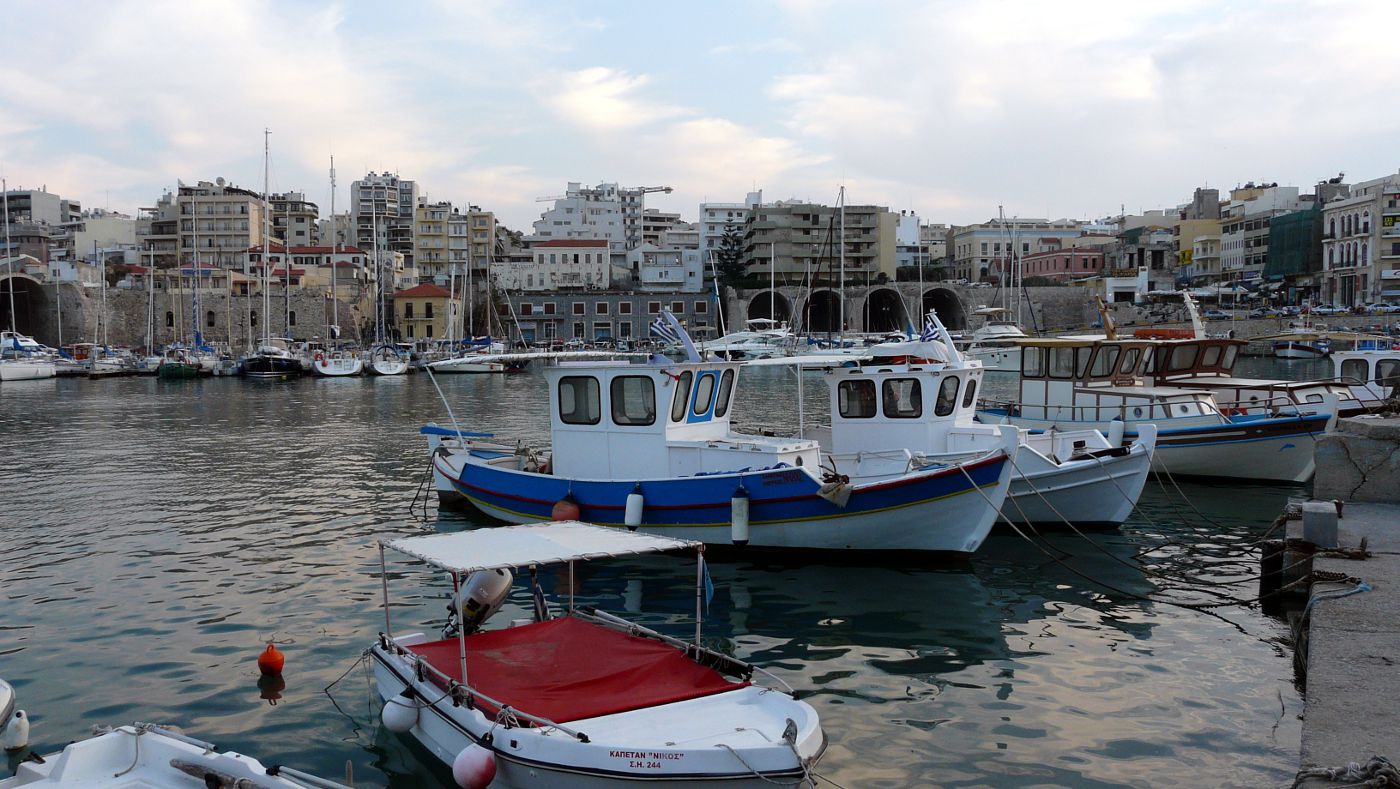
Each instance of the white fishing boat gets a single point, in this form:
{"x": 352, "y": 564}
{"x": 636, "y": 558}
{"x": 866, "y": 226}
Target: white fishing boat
{"x": 1208, "y": 365}
{"x": 1371, "y": 372}
{"x": 685, "y": 472}
{"x": 147, "y": 756}
{"x": 925, "y": 412}
{"x": 575, "y": 696}
{"x": 994, "y": 344}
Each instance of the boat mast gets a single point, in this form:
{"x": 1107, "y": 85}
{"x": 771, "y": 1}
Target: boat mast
{"x": 266, "y": 283}
{"x": 150, "y": 303}
{"x": 334, "y": 329}
{"x": 470, "y": 332}
{"x": 841, "y": 206}
{"x": 773, "y": 283}
{"x": 378, "y": 270}
{"x": 194, "y": 297}
{"x": 9, "y": 255}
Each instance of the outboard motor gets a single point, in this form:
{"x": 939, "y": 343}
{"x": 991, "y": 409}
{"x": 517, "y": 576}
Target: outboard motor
{"x": 480, "y": 596}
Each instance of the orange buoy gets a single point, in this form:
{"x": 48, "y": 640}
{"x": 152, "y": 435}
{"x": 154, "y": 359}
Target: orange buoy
{"x": 270, "y": 661}
{"x": 565, "y": 509}
{"x": 270, "y": 687}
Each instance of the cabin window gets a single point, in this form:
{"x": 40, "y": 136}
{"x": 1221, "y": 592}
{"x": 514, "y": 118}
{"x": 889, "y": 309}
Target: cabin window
{"x": 1211, "y": 357}
{"x": 1061, "y": 362}
{"x": 633, "y": 400}
{"x": 1105, "y": 361}
{"x": 1183, "y": 358}
{"x": 726, "y": 387}
{"x": 1388, "y": 372}
{"x": 970, "y": 393}
{"x": 903, "y": 398}
{"x": 856, "y": 399}
{"x": 1081, "y": 361}
{"x": 1033, "y": 362}
{"x": 682, "y": 396}
{"x": 704, "y": 394}
{"x": 1130, "y": 361}
{"x": 1230, "y": 354}
{"x": 578, "y": 400}
{"x": 948, "y": 396}
{"x": 1354, "y": 371}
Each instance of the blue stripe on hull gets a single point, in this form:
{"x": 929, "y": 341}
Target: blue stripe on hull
{"x": 775, "y": 495}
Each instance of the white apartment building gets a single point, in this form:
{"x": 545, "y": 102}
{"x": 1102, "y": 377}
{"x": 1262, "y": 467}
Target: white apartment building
{"x": 1244, "y": 227}
{"x": 604, "y": 211}
{"x": 214, "y": 222}
{"x": 1361, "y": 244}
{"x": 382, "y": 207}
{"x": 909, "y": 248}
{"x": 715, "y": 218}
{"x": 562, "y": 264}
{"x": 661, "y": 270}
{"x": 295, "y": 219}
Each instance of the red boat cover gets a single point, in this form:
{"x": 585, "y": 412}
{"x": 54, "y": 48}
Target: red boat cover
{"x": 567, "y": 669}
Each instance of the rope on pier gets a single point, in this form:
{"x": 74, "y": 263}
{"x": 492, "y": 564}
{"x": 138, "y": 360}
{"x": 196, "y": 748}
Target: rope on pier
{"x": 1376, "y": 772}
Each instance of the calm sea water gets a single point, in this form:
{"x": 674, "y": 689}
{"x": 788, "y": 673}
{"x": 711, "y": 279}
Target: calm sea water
{"x": 158, "y": 533}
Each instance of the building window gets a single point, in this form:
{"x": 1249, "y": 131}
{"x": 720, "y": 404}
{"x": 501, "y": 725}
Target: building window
{"x": 653, "y": 308}
{"x": 292, "y": 318}
{"x": 169, "y": 320}
{"x": 549, "y": 308}
{"x": 430, "y": 331}
{"x": 527, "y": 308}
{"x": 408, "y": 311}
{"x": 410, "y": 330}
{"x": 700, "y": 308}
{"x": 428, "y": 311}
{"x": 677, "y": 307}
{"x": 252, "y": 318}
{"x": 624, "y": 308}
{"x": 209, "y": 319}
{"x": 601, "y": 307}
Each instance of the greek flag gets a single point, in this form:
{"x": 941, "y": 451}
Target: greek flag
{"x": 930, "y": 332}
{"x": 663, "y": 329}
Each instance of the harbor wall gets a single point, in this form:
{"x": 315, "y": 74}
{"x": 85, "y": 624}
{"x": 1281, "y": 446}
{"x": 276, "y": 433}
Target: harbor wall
{"x": 126, "y": 311}
{"x": 1360, "y": 462}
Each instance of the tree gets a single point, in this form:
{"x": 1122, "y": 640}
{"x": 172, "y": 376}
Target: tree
{"x": 729, "y": 259}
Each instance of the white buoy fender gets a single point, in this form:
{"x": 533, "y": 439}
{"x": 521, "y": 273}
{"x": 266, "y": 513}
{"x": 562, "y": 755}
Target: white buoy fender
{"x": 739, "y": 517}
{"x": 632, "y": 514}
{"x": 474, "y": 767}
{"x": 16, "y": 736}
{"x": 481, "y": 596}
{"x": 1115, "y": 433}
{"x": 400, "y": 713}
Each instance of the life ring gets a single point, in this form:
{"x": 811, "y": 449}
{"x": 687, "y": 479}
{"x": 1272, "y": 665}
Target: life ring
{"x": 1232, "y": 411}
{"x": 320, "y": 357}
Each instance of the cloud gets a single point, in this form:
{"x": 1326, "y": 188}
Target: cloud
{"x": 604, "y": 100}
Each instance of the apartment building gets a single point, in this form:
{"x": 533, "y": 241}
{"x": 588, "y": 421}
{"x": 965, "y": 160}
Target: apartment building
{"x": 1361, "y": 244}
{"x": 716, "y": 218}
{"x": 1244, "y": 227}
{"x": 433, "y": 224}
{"x": 562, "y": 264}
{"x": 789, "y": 240}
{"x": 382, "y": 207}
{"x": 981, "y": 252}
{"x": 295, "y": 219}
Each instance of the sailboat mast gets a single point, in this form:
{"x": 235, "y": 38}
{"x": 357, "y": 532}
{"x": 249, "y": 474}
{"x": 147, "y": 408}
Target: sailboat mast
{"x": 266, "y": 283}
{"x": 335, "y": 238}
{"x": 194, "y": 298}
{"x": 470, "y": 331}
{"x": 150, "y": 302}
{"x": 9, "y": 255}
{"x": 841, "y": 303}
{"x": 378, "y": 270}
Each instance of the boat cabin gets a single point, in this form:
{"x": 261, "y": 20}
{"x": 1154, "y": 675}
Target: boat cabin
{"x": 877, "y": 407}
{"x": 621, "y": 420}
{"x": 1097, "y": 380}
{"x": 1371, "y": 372}
{"x": 1208, "y": 364}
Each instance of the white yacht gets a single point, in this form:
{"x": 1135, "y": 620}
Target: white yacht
{"x": 994, "y": 344}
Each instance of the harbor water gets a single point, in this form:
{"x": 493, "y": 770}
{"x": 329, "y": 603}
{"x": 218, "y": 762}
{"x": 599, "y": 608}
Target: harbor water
{"x": 158, "y": 533}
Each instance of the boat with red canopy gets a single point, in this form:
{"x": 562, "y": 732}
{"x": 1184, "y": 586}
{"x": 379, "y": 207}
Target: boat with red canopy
{"x": 579, "y": 697}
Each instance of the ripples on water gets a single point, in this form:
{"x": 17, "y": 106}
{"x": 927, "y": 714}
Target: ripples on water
{"x": 158, "y": 532}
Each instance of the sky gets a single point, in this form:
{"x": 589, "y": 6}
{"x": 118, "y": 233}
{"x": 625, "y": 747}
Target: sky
{"x": 1050, "y": 109}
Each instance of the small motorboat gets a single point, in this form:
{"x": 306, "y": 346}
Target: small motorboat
{"x": 147, "y": 755}
{"x": 579, "y": 697}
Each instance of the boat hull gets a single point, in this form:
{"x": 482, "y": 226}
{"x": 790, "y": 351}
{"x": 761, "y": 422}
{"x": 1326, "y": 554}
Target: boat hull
{"x": 1299, "y": 350}
{"x": 997, "y": 360}
{"x": 338, "y": 367}
{"x": 942, "y": 510}
{"x": 177, "y": 370}
{"x": 271, "y": 367}
{"x": 26, "y": 370}
{"x": 1098, "y": 493}
{"x": 1245, "y": 448}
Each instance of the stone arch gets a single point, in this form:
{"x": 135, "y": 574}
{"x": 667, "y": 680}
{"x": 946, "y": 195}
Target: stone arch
{"x": 31, "y": 314}
{"x": 947, "y": 306}
{"x": 822, "y": 312}
{"x": 884, "y": 311}
{"x": 770, "y": 304}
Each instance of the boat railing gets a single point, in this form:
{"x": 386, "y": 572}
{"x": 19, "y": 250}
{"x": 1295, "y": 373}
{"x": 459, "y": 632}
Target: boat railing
{"x": 727, "y": 664}
{"x": 1127, "y": 412}
{"x": 465, "y": 694}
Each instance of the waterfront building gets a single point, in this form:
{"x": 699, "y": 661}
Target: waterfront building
{"x": 1295, "y": 254}
{"x": 223, "y": 219}
{"x": 605, "y": 211}
{"x": 432, "y": 227}
{"x": 1244, "y": 227}
{"x": 1361, "y": 244}
{"x": 103, "y": 230}
{"x": 382, "y": 207}
{"x": 909, "y": 249}
{"x": 589, "y": 316}
{"x": 660, "y": 270}
{"x": 562, "y": 264}
{"x": 795, "y": 239}
{"x": 42, "y": 214}
{"x": 980, "y": 252}
{"x": 1063, "y": 265}
{"x": 1204, "y": 265}
{"x": 1196, "y": 219}
{"x": 657, "y": 224}
{"x": 423, "y": 311}
{"x": 716, "y": 218}
{"x": 934, "y": 238}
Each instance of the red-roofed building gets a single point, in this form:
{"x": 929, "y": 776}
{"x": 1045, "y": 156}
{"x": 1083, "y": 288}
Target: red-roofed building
{"x": 422, "y": 312}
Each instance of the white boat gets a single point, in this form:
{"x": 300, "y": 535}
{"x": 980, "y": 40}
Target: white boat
{"x": 1098, "y": 383}
{"x": 337, "y": 364}
{"x": 147, "y": 756}
{"x": 575, "y": 696}
{"x": 26, "y": 369}
{"x": 1208, "y": 365}
{"x": 387, "y": 359}
{"x": 926, "y": 411}
{"x": 762, "y": 338}
{"x": 1371, "y": 372}
{"x": 995, "y": 343}
{"x": 694, "y": 477}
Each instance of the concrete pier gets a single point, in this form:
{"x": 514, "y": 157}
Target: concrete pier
{"x": 1352, "y": 642}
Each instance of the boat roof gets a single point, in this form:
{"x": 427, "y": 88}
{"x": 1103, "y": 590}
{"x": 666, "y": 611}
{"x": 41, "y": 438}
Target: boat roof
{"x": 505, "y": 547}
{"x": 810, "y": 360}
{"x": 1073, "y": 342}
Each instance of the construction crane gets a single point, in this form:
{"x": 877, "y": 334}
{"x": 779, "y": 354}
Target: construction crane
{"x": 646, "y": 189}
{"x": 549, "y": 198}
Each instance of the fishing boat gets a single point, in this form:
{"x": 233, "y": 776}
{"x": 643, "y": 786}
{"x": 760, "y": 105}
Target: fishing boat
{"x": 177, "y": 364}
{"x": 1371, "y": 371}
{"x": 149, "y": 756}
{"x": 575, "y": 696}
{"x": 685, "y": 472}
{"x": 1074, "y": 383}
{"x": 925, "y": 412}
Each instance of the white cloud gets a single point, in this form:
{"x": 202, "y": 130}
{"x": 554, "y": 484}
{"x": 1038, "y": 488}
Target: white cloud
{"x": 604, "y": 99}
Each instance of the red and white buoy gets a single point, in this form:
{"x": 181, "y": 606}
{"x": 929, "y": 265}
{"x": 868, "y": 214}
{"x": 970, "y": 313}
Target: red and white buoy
{"x": 474, "y": 767}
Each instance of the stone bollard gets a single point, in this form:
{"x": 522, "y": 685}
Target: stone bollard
{"x": 1320, "y": 523}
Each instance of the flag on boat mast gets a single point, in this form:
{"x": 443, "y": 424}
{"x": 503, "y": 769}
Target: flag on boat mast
{"x": 667, "y": 328}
